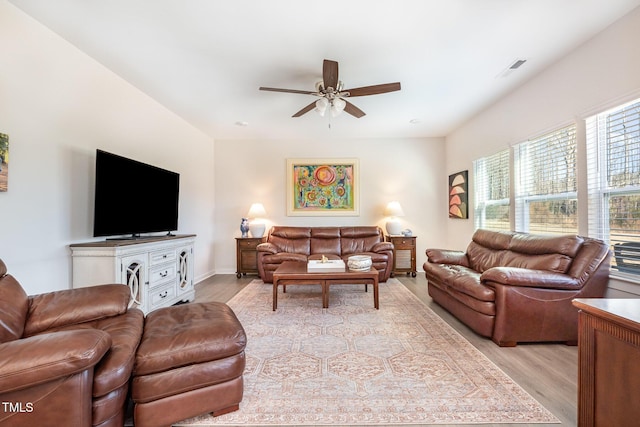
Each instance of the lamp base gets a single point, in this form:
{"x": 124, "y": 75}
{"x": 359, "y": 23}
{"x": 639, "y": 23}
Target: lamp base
{"x": 394, "y": 227}
{"x": 256, "y": 229}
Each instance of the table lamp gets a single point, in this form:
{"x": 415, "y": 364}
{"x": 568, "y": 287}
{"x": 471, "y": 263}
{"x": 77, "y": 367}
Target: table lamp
{"x": 393, "y": 211}
{"x": 256, "y": 213}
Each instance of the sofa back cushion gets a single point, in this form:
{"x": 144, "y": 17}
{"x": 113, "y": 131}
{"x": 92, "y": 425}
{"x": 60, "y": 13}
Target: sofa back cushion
{"x": 359, "y": 239}
{"x": 325, "y": 240}
{"x": 534, "y": 251}
{"x": 291, "y": 239}
{"x": 542, "y": 252}
{"x": 487, "y": 248}
{"x": 14, "y": 305}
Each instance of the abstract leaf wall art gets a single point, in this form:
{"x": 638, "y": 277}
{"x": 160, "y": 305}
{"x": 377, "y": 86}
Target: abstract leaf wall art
{"x": 458, "y": 195}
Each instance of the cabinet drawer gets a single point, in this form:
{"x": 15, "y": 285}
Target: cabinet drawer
{"x": 157, "y": 297}
{"x": 161, "y": 275}
{"x": 160, "y": 257}
{"x": 404, "y": 243}
{"x": 249, "y": 244}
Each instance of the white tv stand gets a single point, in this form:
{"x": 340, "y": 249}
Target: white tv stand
{"x": 157, "y": 270}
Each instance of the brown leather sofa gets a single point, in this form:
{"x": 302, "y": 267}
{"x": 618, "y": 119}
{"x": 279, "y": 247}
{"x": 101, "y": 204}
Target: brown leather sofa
{"x": 66, "y": 356}
{"x": 518, "y": 287}
{"x": 285, "y": 243}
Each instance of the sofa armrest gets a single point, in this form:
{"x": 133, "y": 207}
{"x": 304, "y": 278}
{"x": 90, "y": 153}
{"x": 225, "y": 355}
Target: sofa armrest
{"x": 524, "y": 277}
{"x": 382, "y": 247}
{"x": 74, "y": 306}
{"x": 446, "y": 256}
{"x": 35, "y": 360}
{"x": 267, "y": 247}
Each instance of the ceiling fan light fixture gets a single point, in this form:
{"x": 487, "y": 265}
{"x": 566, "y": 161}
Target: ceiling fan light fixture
{"x": 321, "y": 106}
{"x": 337, "y": 105}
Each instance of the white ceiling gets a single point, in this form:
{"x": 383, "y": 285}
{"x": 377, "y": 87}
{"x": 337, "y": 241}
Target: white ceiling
{"x": 205, "y": 59}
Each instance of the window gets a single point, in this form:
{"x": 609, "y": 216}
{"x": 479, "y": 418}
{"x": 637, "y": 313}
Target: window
{"x": 613, "y": 165}
{"x": 546, "y": 198}
{"x": 492, "y": 191}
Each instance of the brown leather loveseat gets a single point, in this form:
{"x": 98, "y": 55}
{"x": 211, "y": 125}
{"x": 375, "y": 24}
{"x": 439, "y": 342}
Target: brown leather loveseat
{"x": 66, "y": 357}
{"x": 517, "y": 287}
{"x": 302, "y": 243}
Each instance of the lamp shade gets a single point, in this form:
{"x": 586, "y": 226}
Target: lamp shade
{"x": 393, "y": 209}
{"x": 257, "y": 211}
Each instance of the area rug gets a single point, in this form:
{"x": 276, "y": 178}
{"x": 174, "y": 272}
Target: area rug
{"x": 351, "y": 364}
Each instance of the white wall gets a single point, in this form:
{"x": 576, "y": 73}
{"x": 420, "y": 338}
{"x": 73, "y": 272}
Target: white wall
{"x": 602, "y": 73}
{"x": 58, "y": 105}
{"x": 408, "y": 170}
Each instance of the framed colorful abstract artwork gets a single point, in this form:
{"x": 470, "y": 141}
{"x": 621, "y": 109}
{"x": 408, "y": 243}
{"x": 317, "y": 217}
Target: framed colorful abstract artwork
{"x": 458, "y": 195}
{"x": 322, "y": 187}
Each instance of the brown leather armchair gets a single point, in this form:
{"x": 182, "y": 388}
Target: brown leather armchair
{"x": 66, "y": 357}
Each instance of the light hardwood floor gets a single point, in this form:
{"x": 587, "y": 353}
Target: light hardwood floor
{"x": 549, "y": 372}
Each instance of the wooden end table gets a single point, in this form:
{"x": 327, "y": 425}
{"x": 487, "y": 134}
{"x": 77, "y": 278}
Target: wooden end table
{"x": 295, "y": 273}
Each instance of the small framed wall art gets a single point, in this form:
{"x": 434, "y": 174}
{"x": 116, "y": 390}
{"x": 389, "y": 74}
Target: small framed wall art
{"x": 458, "y": 195}
{"x": 322, "y": 187}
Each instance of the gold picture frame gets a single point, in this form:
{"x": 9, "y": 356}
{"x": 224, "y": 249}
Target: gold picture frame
{"x": 323, "y": 187}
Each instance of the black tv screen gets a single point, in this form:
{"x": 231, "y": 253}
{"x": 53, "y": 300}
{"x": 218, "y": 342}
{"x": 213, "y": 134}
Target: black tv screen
{"x": 132, "y": 197}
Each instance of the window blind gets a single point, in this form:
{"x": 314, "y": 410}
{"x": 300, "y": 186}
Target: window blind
{"x": 613, "y": 172}
{"x": 491, "y": 189}
{"x": 546, "y": 183}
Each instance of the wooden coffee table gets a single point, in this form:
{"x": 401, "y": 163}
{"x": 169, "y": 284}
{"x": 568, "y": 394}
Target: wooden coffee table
{"x": 295, "y": 273}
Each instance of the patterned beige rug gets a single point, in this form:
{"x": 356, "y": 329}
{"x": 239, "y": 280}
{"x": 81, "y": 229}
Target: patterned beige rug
{"x": 351, "y": 364}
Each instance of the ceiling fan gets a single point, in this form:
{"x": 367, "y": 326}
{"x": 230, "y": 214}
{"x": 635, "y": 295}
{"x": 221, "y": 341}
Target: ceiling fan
{"x": 331, "y": 93}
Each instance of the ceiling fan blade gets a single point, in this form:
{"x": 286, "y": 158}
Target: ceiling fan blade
{"x": 330, "y": 74}
{"x": 373, "y": 90}
{"x": 275, "y": 89}
{"x": 353, "y": 110}
{"x": 305, "y": 109}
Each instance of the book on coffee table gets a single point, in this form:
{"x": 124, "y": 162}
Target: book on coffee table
{"x": 328, "y": 266}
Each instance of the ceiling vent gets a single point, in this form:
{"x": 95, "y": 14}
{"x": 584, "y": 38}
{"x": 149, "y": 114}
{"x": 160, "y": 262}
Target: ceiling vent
{"x": 511, "y": 68}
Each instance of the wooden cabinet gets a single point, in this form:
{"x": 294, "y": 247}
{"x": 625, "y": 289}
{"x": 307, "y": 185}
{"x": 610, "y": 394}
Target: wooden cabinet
{"x": 609, "y": 362}
{"x": 404, "y": 254}
{"x": 157, "y": 270}
{"x": 246, "y": 255}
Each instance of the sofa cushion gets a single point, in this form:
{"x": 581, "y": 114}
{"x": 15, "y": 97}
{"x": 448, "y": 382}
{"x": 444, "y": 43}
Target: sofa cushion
{"x": 492, "y": 239}
{"x": 462, "y": 279}
{"x": 533, "y": 244}
{"x": 482, "y": 258}
{"x": 325, "y": 240}
{"x": 551, "y": 262}
{"x": 291, "y": 239}
{"x": 59, "y": 309}
{"x": 359, "y": 239}
{"x": 114, "y": 370}
{"x": 281, "y": 257}
{"x": 14, "y": 305}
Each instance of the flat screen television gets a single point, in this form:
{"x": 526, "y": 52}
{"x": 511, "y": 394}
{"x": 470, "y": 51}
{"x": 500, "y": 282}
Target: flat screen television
{"x": 132, "y": 197}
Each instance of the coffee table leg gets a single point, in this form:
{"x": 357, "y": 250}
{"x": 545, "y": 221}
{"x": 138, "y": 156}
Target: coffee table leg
{"x": 376, "y": 303}
{"x": 325, "y": 294}
{"x": 275, "y": 295}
